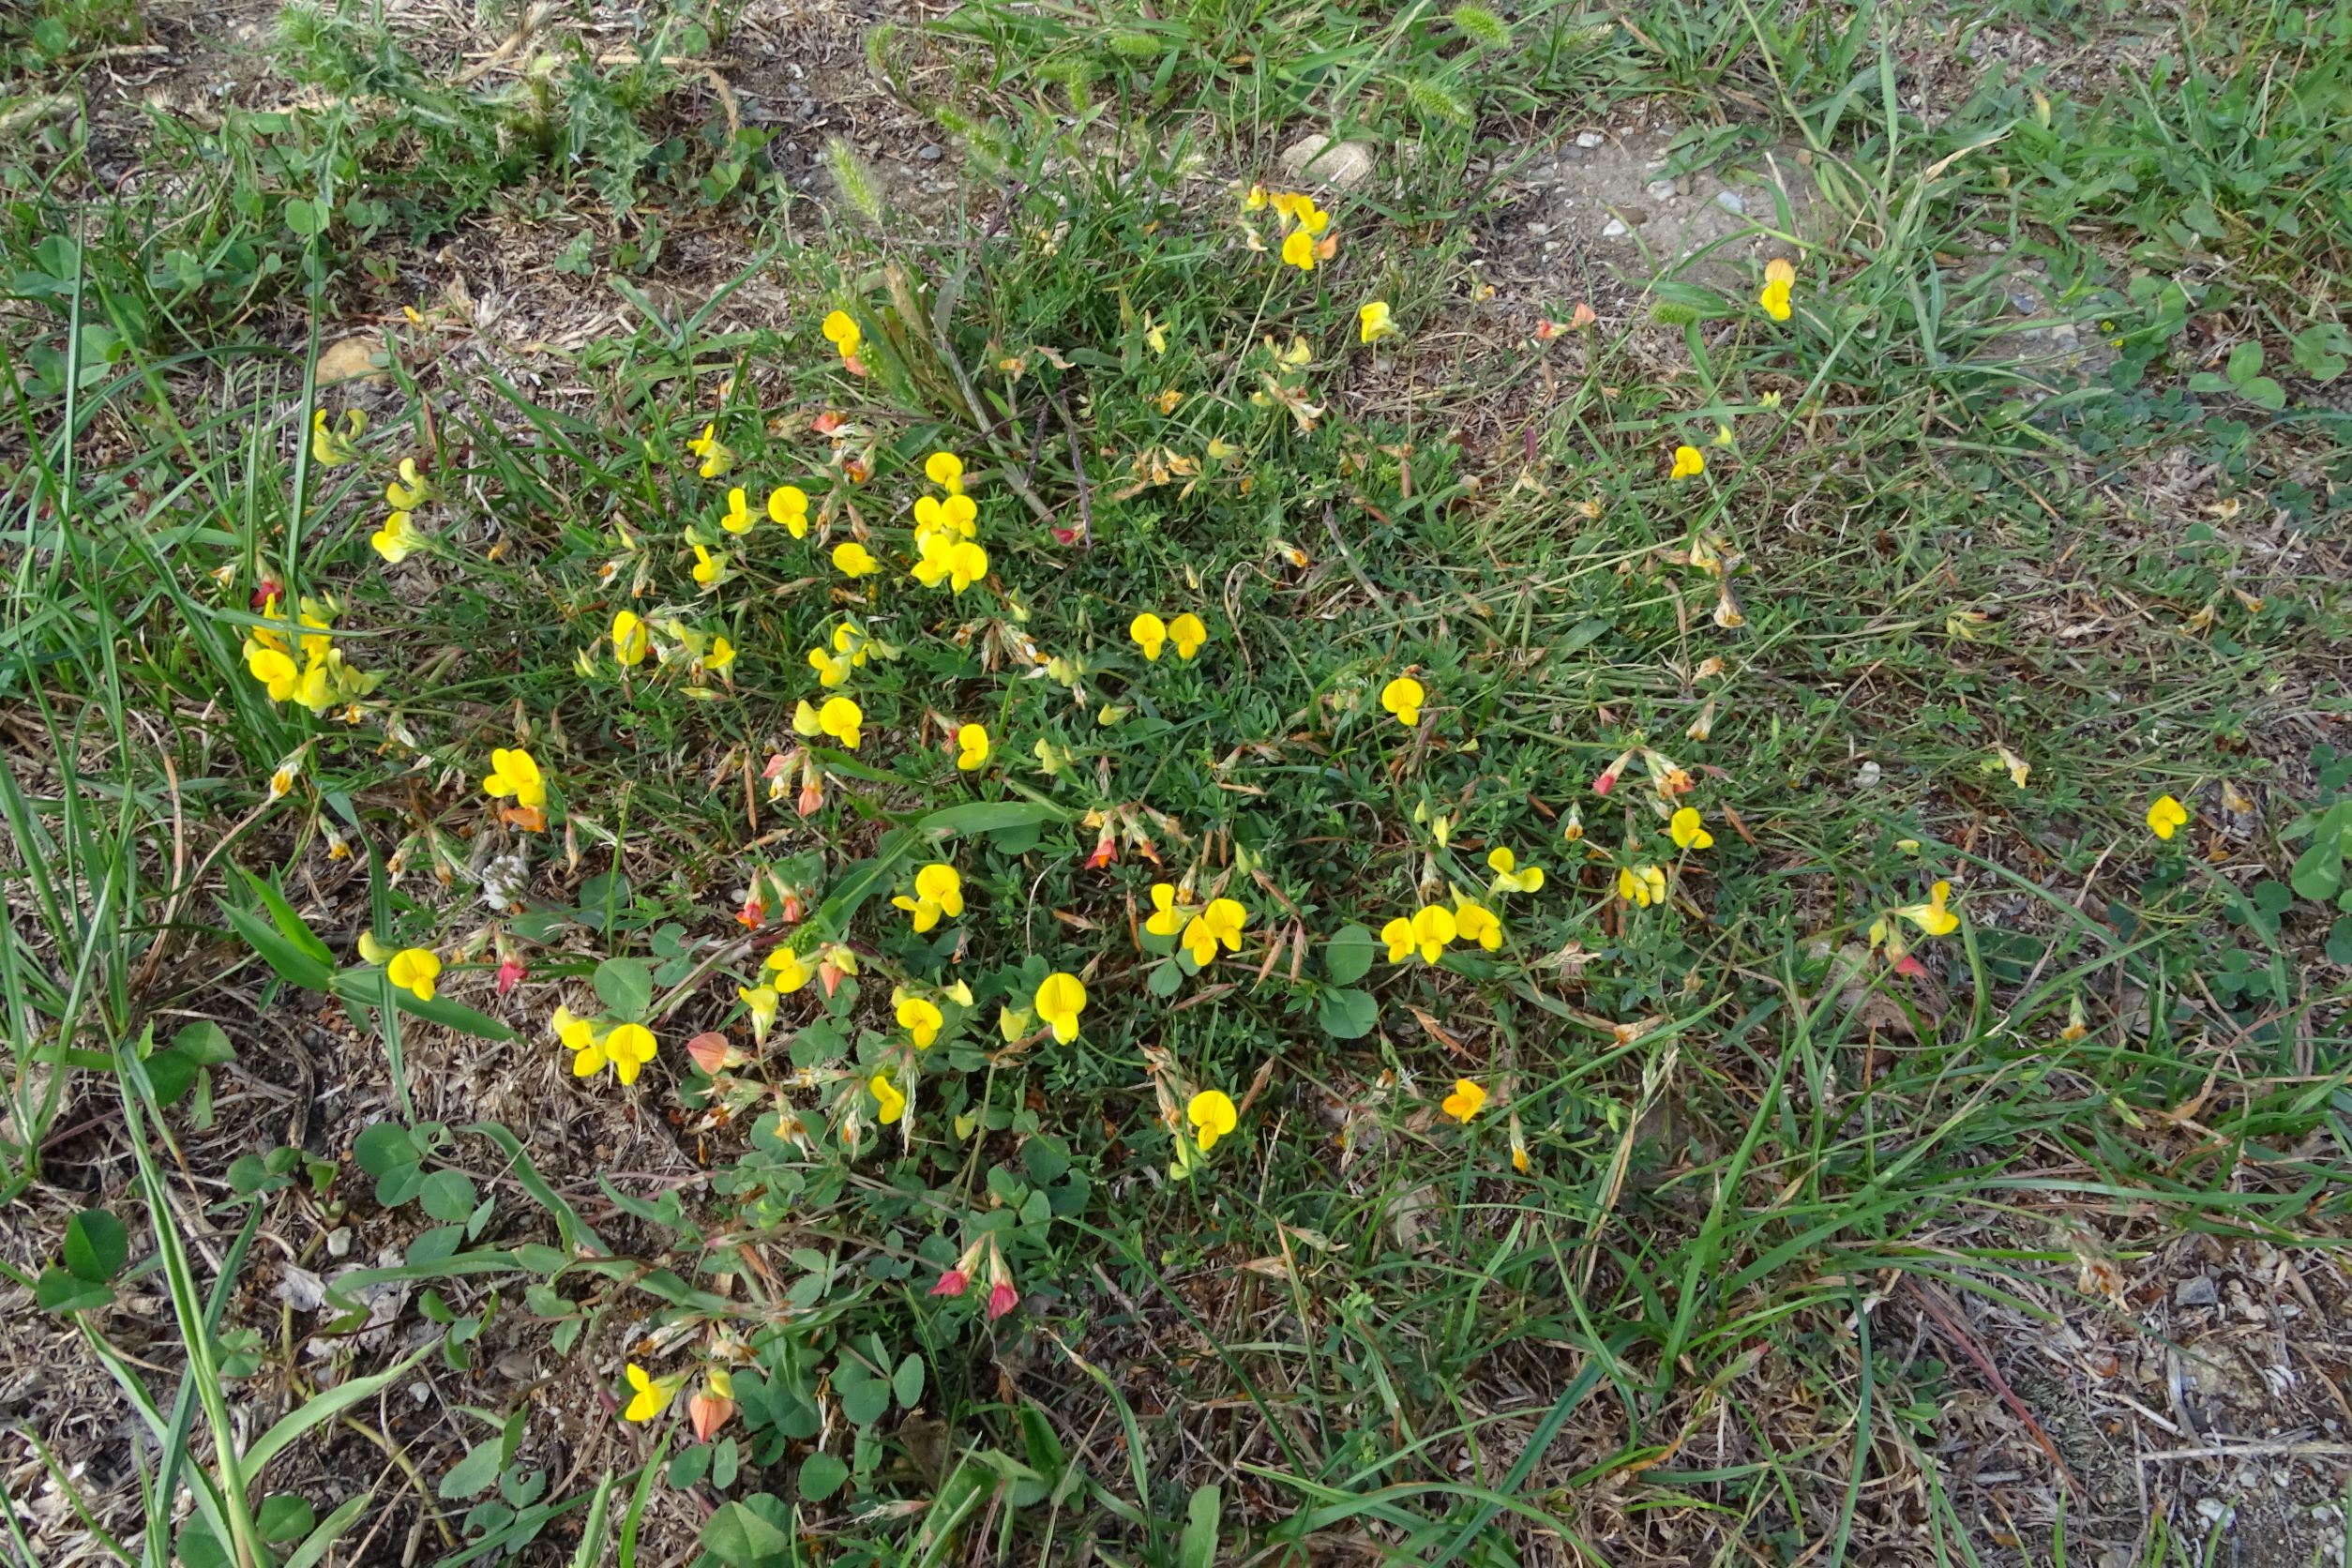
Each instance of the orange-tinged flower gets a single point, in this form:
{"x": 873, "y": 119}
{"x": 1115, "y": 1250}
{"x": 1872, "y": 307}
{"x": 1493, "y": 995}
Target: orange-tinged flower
{"x": 1061, "y": 998}
{"x": 414, "y": 969}
{"x": 1403, "y": 697}
{"x": 1212, "y": 1115}
{"x": 1466, "y": 1101}
{"x": 713, "y": 1407}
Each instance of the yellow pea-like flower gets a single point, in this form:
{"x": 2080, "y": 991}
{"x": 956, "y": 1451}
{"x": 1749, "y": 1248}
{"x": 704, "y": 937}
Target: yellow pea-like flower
{"x": 1403, "y": 697}
{"x": 947, "y": 471}
{"x": 894, "y": 1105}
{"x": 1060, "y": 999}
{"x": 920, "y": 1018}
{"x": 1222, "y": 921}
{"x": 789, "y": 972}
{"x": 1688, "y": 830}
{"x": 852, "y": 559}
{"x": 716, "y": 459}
{"x": 1167, "y": 916}
{"x": 1779, "y": 279}
{"x": 1641, "y": 886}
{"x": 516, "y": 773}
{"x": 1149, "y": 633}
{"x": 1374, "y": 323}
{"x": 1509, "y": 878}
{"x": 841, "y": 717}
{"x": 397, "y": 539}
{"x": 709, "y": 570}
{"x": 1212, "y": 1115}
{"x": 1298, "y": 250}
{"x": 1474, "y": 921}
{"x": 737, "y": 519}
{"x": 1689, "y": 462}
{"x": 788, "y": 504}
{"x": 1189, "y": 635}
{"x": 971, "y": 747}
{"x": 2166, "y": 817}
{"x": 1466, "y": 1101}
{"x": 841, "y": 330}
{"x": 1426, "y": 931}
{"x": 653, "y": 1394}
{"x": 414, "y": 969}
{"x": 631, "y": 638}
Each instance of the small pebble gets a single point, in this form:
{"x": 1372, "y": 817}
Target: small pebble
{"x": 338, "y": 1242}
{"x": 1731, "y": 204}
{"x": 1660, "y": 191}
{"x": 1614, "y": 228}
{"x": 929, "y": 155}
{"x": 1590, "y": 138}
{"x": 2196, "y": 1290}
{"x": 1539, "y": 230}
{"x": 1867, "y": 775}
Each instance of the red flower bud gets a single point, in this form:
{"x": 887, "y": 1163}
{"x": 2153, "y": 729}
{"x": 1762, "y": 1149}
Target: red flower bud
{"x": 952, "y": 1283}
{"x": 1065, "y": 536}
{"x": 510, "y": 973}
{"x": 1002, "y": 1298}
{"x": 1606, "y": 782}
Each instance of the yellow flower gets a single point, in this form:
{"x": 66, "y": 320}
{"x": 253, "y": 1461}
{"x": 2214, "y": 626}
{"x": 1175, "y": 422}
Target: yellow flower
{"x": 947, "y": 471}
{"x": 762, "y": 1002}
{"x": 1060, "y": 1000}
{"x": 789, "y": 972}
{"x": 789, "y": 506}
{"x": 414, "y": 969}
{"x": 716, "y": 459}
{"x": 1012, "y": 1023}
{"x": 629, "y": 1048}
{"x": 516, "y": 773}
{"x": 937, "y": 890}
{"x": 653, "y": 1394}
{"x": 2019, "y": 769}
{"x": 831, "y": 671}
{"x": 1467, "y": 1100}
{"x": 1222, "y": 921}
{"x": 1149, "y": 633}
{"x": 959, "y": 562}
{"x": 1298, "y": 250}
{"x": 1509, "y": 878}
{"x": 709, "y": 570}
{"x": 1474, "y": 921}
{"x": 411, "y": 490}
{"x": 2166, "y": 817}
{"x": 1429, "y": 929}
{"x": 1779, "y": 278}
{"x": 1642, "y": 885}
{"x": 630, "y": 638}
{"x": 274, "y": 670}
{"x": 1188, "y": 634}
{"x": 852, "y": 559}
{"x": 894, "y": 1105}
{"x": 1167, "y": 917}
{"x": 971, "y": 747}
{"x": 839, "y": 717}
{"x": 1374, "y": 323}
{"x": 1211, "y": 1115}
{"x": 841, "y": 331}
{"x": 397, "y": 540}
{"x": 372, "y": 950}
{"x": 738, "y": 517}
{"x": 918, "y": 1017}
{"x": 1932, "y": 916}
{"x": 332, "y": 448}
{"x": 1154, "y": 334}
{"x": 1688, "y": 462}
{"x": 1403, "y": 697}
{"x": 1688, "y": 830}
{"x": 722, "y": 654}
{"x": 576, "y": 1033}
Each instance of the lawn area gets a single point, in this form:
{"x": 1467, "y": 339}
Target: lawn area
{"x": 1025, "y": 783}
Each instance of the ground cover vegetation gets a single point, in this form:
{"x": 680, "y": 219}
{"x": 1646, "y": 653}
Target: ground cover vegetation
{"x": 1072, "y": 821}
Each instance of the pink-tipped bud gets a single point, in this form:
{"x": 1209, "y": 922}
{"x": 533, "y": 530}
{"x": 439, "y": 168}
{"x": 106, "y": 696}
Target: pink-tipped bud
{"x": 1583, "y": 317}
{"x": 952, "y": 1283}
{"x": 714, "y": 1053}
{"x": 1106, "y": 852}
{"x": 1065, "y": 536}
{"x": 709, "y": 1413}
{"x": 1908, "y": 965}
{"x": 753, "y": 915}
{"x": 777, "y": 764}
{"x": 1606, "y": 782}
{"x": 792, "y": 908}
{"x": 813, "y": 798}
{"x": 1002, "y": 1298}
{"x": 510, "y": 973}
{"x": 829, "y": 978}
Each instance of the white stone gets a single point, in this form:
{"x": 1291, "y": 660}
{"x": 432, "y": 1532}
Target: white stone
{"x": 1590, "y": 138}
{"x": 1614, "y": 228}
{"x": 1318, "y": 159}
{"x": 1660, "y": 191}
{"x": 1731, "y": 204}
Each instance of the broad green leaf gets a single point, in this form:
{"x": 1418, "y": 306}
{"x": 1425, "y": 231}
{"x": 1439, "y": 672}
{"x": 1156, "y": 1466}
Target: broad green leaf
{"x": 820, "y": 1476}
{"x": 1347, "y": 1013}
{"x": 285, "y": 1517}
{"x": 990, "y": 816}
{"x": 57, "y": 1290}
{"x": 625, "y": 987}
{"x": 907, "y": 1381}
{"x": 473, "y": 1475}
{"x": 447, "y": 1195}
{"x": 1347, "y": 956}
{"x": 1198, "y": 1546}
{"x": 96, "y": 1246}
{"x": 205, "y": 1042}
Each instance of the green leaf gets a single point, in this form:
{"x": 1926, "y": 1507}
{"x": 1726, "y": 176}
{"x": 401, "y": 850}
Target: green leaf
{"x": 307, "y": 217}
{"x": 1347, "y": 956}
{"x": 473, "y": 1475}
{"x": 294, "y": 964}
{"x": 625, "y": 987}
{"x": 2264, "y": 393}
{"x": 1198, "y": 1546}
{"x": 447, "y": 1195}
{"x": 290, "y": 924}
{"x": 2339, "y": 941}
{"x": 990, "y": 816}
{"x": 59, "y": 1291}
{"x": 864, "y": 1401}
{"x": 2319, "y": 351}
{"x": 173, "y": 1076}
{"x": 907, "y": 1381}
{"x": 742, "y": 1538}
{"x": 2245, "y": 363}
{"x": 820, "y": 1476}
{"x": 286, "y": 1516}
{"x": 96, "y": 1246}
{"x": 2319, "y": 872}
{"x": 1347, "y": 1013}
{"x": 1165, "y": 978}
{"x": 385, "y": 1148}
{"x": 205, "y": 1042}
